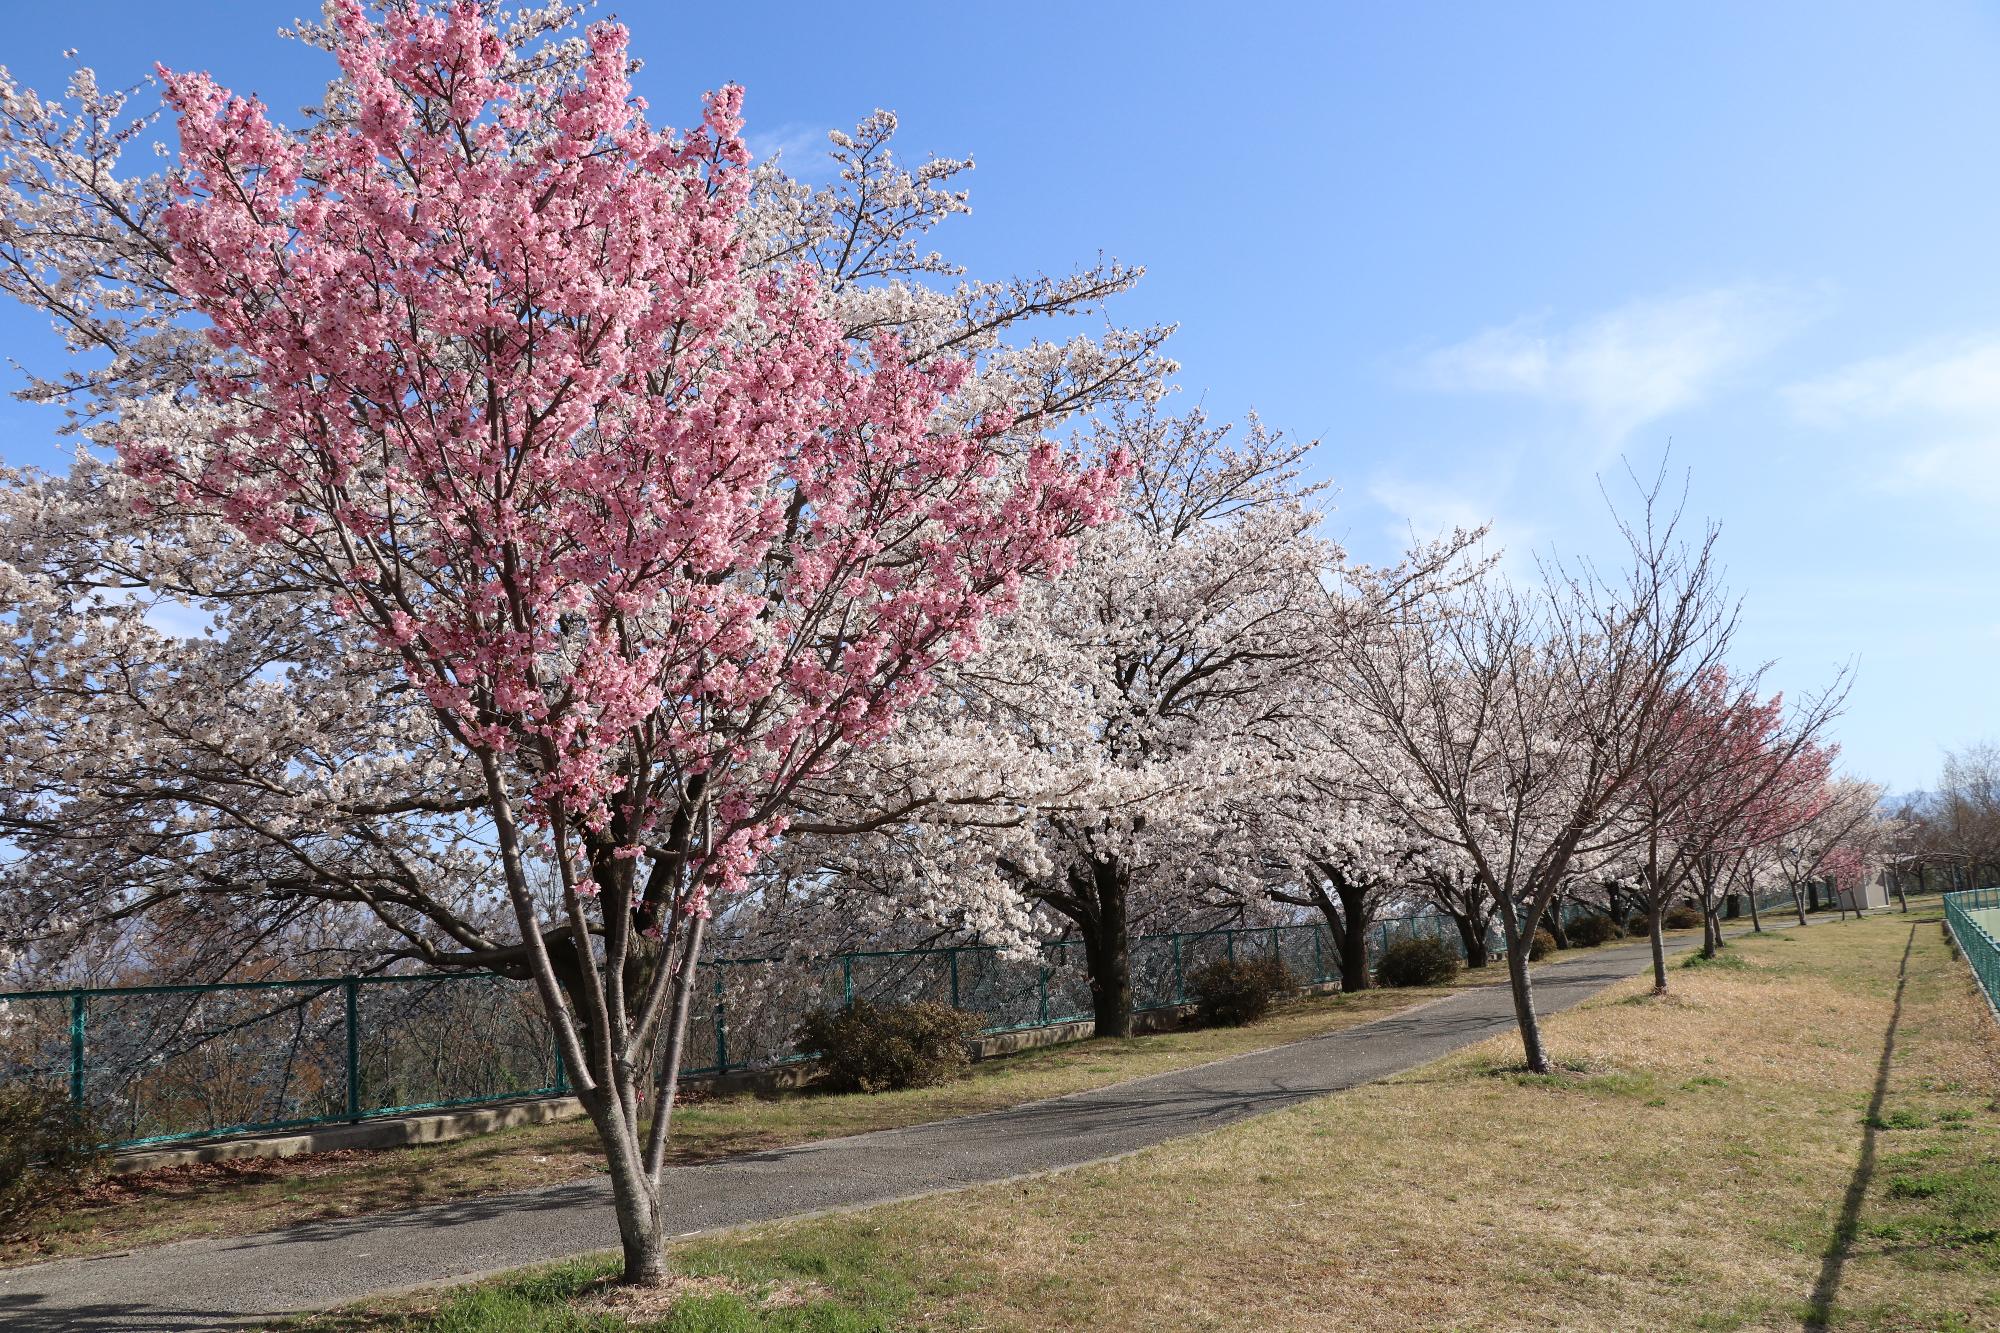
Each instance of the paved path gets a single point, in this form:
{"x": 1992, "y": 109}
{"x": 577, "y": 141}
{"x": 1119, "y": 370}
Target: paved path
{"x": 207, "y": 1284}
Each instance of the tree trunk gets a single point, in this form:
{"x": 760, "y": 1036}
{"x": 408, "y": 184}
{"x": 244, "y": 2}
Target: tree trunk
{"x": 1472, "y": 939}
{"x": 1756, "y": 921}
{"x": 1351, "y": 933}
{"x": 1654, "y": 928}
{"x": 1711, "y": 933}
{"x": 1524, "y": 993}
{"x": 1552, "y": 923}
{"x": 635, "y": 1199}
{"x": 1799, "y": 901}
{"x": 1108, "y": 953}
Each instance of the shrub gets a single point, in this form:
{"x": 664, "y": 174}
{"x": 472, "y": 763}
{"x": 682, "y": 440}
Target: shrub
{"x": 1638, "y": 924}
{"x": 46, "y": 1154}
{"x": 1681, "y": 917}
{"x": 868, "y": 1047}
{"x": 1590, "y": 931}
{"x": 1417, "y": 961}
{"x": 1541, "y": 946}
{"x": 1232, "y": 993}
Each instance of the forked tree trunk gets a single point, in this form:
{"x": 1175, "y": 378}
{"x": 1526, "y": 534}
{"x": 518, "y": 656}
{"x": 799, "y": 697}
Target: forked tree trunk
{"x": 1349, "y": 926}
{"x": 1799, "y": 901}
{"x": 632, "y": 1164}
{"x": 1756, "y": 921}
{"x": 635, "y": 1198}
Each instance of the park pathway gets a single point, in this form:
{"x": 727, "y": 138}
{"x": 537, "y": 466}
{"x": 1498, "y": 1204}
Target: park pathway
{"x": 228, "y": 1283}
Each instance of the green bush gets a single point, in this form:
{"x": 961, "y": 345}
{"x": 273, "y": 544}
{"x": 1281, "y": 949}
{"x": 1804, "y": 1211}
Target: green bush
{"x": 1639, "y": 924}
{"x": 1681, "y": 917}
{"x": 1590, "y": 931}
{"x": 1234, "y": 992}
{"x": 46, "y": 1154}
{"x": 1417, "y": 961}
{"x": 869, "y": 1047}
{"x": 1541, "y": 946}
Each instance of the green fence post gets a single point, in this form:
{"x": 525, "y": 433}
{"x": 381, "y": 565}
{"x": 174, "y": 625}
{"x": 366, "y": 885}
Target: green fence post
{"x": 847, "y": 980}
{"x": 1229, "y": 945}
{"x": 1044, "y": 981}
{"x": 353, "y": 989}
{"x": 954, "y": 978}
{"x": 562, "y": 1066}
{"x": 1180, "y": 981}
{"x": 1277, "y": 954}
{"x": 721, "y": 1025}
{"x": 1319, "y": 956}
{"x": 76, "y": 1051}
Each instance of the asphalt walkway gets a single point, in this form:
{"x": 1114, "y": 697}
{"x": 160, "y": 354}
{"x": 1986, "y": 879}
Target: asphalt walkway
{"x": 225, "y": 1283}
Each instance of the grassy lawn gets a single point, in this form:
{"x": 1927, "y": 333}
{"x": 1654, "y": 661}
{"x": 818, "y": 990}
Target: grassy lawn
{"x": 237, "y": 1198}
{"x": 1806, "y": 1134}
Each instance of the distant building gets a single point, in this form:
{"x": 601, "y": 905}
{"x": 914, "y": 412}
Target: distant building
{"x": 1872, "y": 891}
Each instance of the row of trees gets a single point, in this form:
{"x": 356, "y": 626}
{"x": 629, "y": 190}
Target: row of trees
{"x": 1951, "y": 836}
{"x": 508, "y": 535}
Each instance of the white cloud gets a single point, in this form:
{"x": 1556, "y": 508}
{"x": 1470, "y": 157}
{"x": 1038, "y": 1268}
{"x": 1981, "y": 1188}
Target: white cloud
{"x": 1625, "y": 367}
{"x": 1967, "y": 468}
{"x": 1424, "y": 509}
{"x": 803, "y": 149}
{"x": 1958, "y": 380}
{"x": 1431, "y": 509}
{"x": 1940, "y": 402}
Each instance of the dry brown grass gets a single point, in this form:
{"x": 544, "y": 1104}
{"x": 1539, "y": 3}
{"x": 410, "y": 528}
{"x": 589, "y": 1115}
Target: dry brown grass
{"x": 1688, "y": 1169}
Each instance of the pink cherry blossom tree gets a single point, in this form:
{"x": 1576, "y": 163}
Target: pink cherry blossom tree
{"x": 1734, "y": 769}
{"x": 500, "y": 378}
{"x": 1835, "y": 833}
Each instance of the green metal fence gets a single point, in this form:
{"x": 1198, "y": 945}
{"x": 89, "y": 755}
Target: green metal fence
{"x": 154, "y": 1064}
{"x": 1973, "y": 917}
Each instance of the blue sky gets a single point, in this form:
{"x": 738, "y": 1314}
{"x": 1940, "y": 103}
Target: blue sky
{"x": 1482, "y": 252}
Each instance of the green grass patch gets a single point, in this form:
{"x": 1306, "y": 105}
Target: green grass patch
{"x": 1726, "y": 961}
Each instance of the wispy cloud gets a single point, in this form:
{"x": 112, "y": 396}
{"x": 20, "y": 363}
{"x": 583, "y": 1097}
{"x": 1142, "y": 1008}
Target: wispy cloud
{"x": 1952, "y": 380}
{"x": 1626, "y": 367}
{"x": 1429, "y": 507}
{"x": 802, "y": 147}
{"x": 1423, "y": 508}
{"x": 1941, "y": 400}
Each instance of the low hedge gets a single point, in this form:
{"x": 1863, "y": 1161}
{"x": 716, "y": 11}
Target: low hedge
{"x": 47, "y": 1154}
{"x": 1234, "y": 992}
{"x": 869, "y": 1047}
{"x": 1590, "y": 931}
{"x": 1417, "y": 961}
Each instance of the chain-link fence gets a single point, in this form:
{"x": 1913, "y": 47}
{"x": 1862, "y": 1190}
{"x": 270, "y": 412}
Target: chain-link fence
{"x": 152, "y": 1064}
{"x": 1973, "y": 916}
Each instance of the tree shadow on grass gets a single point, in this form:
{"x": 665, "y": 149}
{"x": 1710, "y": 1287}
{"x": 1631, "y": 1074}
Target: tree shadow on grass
{"x": 1842, "y": 1244}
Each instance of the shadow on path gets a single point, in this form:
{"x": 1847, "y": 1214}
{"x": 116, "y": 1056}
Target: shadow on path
{"x": 1842, "y": 1244}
